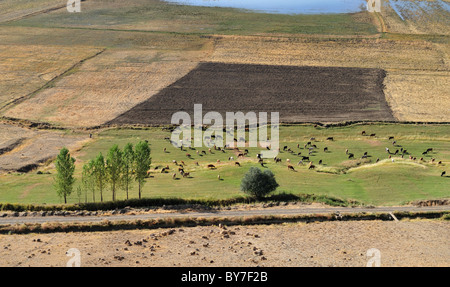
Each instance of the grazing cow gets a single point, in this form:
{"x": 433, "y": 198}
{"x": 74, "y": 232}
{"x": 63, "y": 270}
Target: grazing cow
{"x": 203, "y": 152}
{"x": 396, "y": 152}
{"x": 218, "y": 161}
{"x": 373, "y": 135}
{"x": 231, "y": 158}
{"x": 174, "y": 176}
{"x": 443, "y": 173}
{"x": 211, "y": 166}
{"x": 346, "y": 151}
{"x": 182, "y": 162}
{"x": 429, "y": 150}
{"x": 320, "y": 161}
{"x": 305, "y": 157}
{"x": 165, "y": 150}
{"x": 246, "y": 151}
{"x": 285, "y": 148}
{"x": 290, "y": 167}
{"x": 258, "y": 155}
{"x": 424, "y": 153}
{"x": 350, "y": 155}
{"x": 391, "y": 138}
{"x": 365, "y": 153}
{"x": 299, "y": 154}
{"x": 180, "y": 169}
{"x": 363, "y": 133}
{"x": 378, "y": 159}
{"x": 241, "y": 155}
{"x": 308, "y": 143}
{"x": 298, "y": 145}
{"x": 311, "y": 166}
{"x": 432, "y": 160}
{"x": 186, "y": 174}
{"x": 188, "y": 155}
{"x": 394, "y": 142}
{"x": 325, "y": 149}
{"x": 364, "y": 156}
{"x": 312, "y": 139}
{"x": 440, "y": 162}
{"x": 237, "y": 163}
{"x": 330, "y": 139}
{"x": 314, "y": 146}
{"x": 175, "y": 162}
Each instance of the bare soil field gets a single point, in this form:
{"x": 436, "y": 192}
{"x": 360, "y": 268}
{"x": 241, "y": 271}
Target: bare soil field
{"x": 23, "y": 149}
{"x": 417, "y": 71}
{"x": 299, "y": 94}
{"x": 404, "y": 243}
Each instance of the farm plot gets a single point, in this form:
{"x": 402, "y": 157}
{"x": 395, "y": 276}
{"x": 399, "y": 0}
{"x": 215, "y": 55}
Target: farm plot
{"x": 417, "y": 16}
{"x": 299, "y": 94}
{"x": 106, "y": 86}
{"x": 26, "y": 68}
{"x": 417, "y": 71}
{"x": 16, "y": 9}
{"x": 25, "y": 149}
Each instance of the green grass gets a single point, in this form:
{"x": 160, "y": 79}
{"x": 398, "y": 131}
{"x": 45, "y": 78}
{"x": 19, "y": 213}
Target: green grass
{"x": 149, "y": 16}
{"x": 385, "y": 183}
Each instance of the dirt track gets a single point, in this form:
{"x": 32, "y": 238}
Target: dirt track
{"x": 300, "y": 94}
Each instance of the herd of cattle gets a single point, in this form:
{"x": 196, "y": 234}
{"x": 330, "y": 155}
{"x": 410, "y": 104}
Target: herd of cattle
{"x": 303, "y": 152}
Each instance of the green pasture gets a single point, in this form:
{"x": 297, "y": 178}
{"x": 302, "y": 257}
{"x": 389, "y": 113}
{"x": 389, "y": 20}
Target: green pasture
{"x": 384, "y": 183}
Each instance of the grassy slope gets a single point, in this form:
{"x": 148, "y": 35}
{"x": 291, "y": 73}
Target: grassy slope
{"x": 385, "y": 183}
{"x": 160, "y": 16}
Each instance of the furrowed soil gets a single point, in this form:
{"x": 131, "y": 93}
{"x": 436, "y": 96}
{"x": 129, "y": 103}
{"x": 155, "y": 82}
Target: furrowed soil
{"x": 404, "y": 243}
{"x": 299, "y": 94}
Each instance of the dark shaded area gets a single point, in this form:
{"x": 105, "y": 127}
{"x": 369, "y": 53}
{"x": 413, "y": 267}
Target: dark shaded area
{"x": 299, "y": 94}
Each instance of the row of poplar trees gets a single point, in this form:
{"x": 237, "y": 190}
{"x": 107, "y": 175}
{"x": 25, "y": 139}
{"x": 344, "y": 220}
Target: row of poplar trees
{"x": 117, "y": 171}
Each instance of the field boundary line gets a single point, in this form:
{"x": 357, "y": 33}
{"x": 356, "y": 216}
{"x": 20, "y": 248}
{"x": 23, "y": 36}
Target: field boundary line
{"x": 49, "y": 83}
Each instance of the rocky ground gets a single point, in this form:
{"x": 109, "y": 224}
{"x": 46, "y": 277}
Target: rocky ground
{"x": 404, "y": 243}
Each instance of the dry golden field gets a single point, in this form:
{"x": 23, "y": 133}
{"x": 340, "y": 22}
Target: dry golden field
{"x": 419, "y": 17}
{"x": 103, "y": 88}
{"x": 26, "y": 68}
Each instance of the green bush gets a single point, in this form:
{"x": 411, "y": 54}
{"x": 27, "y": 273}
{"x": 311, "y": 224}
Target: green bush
{"x": 258, "y": 184}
